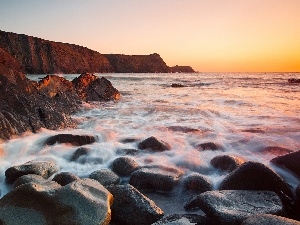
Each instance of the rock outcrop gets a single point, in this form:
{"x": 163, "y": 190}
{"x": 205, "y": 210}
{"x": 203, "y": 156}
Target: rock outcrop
{"x": 181, "y": 69}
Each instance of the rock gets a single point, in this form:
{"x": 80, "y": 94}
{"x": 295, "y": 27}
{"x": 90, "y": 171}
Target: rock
{"x": 298, "y": 192}
{"x": 233, "y": 207}
{"x": 82, "y": 151}
{"x": 289, "y": 161}
{"x": 184, "y": 129}
{"x": 256, "y": 176}
{"x": 208, "y": 146}
{"x": 275, "y": 150}
{"x": 29, "y": 178}
{"x": 174, "y": 85}
{"x": 294, "y": 80}
{"x": 185, "y": 219}
{"x": 128, "y": 140}
{"x": 42, "y": 168}
{"x": 157, "y": 178}
{"x": 226, "y": 162}
{"x": 124, "y": 166}
{"x": 181, "y": 69}
{"x": 197, "y": 183}
{"x": 267, "y": 219}
{"x": 132, "y": 207}
{"x": 65, "y": 178}
{"x": 154, "y": 144}
{"x": 92, "y": 88}
{"x": 127, "y": 151}
{"x": 81, "y": 202}
{"x": 105, "y": 177}
{"x": 76, "y": 140}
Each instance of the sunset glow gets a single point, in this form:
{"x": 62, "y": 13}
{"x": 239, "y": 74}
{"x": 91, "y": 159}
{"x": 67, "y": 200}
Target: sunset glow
{"x": 210, "y": 36}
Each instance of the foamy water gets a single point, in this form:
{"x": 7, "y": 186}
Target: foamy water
{"x": 242, "y": 112}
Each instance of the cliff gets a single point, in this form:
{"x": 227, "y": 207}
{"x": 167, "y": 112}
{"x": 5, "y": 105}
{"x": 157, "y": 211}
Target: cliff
{"x": 137, "y": 63}
{"x": 38, "y": 56}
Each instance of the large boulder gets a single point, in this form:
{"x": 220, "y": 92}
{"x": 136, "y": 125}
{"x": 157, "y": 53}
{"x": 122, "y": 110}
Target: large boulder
{"x": 81, "y": 202}
{"x": 267, "y": 219}
{"x": 42, "y": 168}
{"x": 92, "y": 88}
{"x": 152, "y": 143}
{"x": 156, "y": 178}
{"x": 226, "y": 162}
{"x": 124, "y": 166}
{"x": 289, "y": 161}
{"x": 29, "y": 178}
{"x": 234, "y": 206}
{"x": 197, "y": 183}
{"x": 105, "y": 177}
{"x": 131, "y": 207}
{"x": 73, "y": 139}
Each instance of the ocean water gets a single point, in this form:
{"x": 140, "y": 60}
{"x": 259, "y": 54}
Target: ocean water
{"x": 243, "y": 112}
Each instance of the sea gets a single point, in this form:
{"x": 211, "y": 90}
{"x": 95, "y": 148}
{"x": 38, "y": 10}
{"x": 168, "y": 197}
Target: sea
{"x": 242, "y": 112}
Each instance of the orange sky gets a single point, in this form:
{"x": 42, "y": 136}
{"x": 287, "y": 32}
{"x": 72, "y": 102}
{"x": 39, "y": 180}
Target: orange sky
{"x": 209, "y": 35}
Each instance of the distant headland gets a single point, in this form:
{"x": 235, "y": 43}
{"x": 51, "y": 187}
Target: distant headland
{"x": 34, "y": 55}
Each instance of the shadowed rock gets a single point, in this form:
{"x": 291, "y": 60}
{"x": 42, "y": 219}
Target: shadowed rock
{"x": 267, "y": 219}
{"x": 226, "y": 162}
{"x": 65, "y": 178}
{"x": 80, "y": 152}
{"x": 208, "y": 146}
{"x": 154, "y": 144}
{"x": 185, "y": 219}
{"x": 133, "y": 208}
{"x": 184, "y": 129}
{"x": 124, "y": 166}
{"x": 275, "y": 150}
{"x": 157, "y": 178}
{"x": 105, "y": 177}
{"x": 233, "y": 207}
{"x": 197, "y": 183}
{"x": 42, "y": 168}
{"x": 76, "y": 140}
{"x": 29, "y": 178}
{"x": 289, "y": 161}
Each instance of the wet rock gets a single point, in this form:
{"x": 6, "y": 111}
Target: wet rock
{"x": 154, "y": 144}
{"x": 29, "y": 178}
{"x": 80, "y": 152}
{"x": 92, "y": 88}
{"x": 234, "y": 206}
{"x": 175, "y": 85}
{"x": 293, "y": 80}
{"x": 185, "y": 219}
{"x": 65, "y": 178}
{"x": 289, "y": 161}
{"x": 124, "y": 166}
{"x": 76, "y": 140}
{"x": 42, "y": 168}
{"x": 255, "y": 176}
{"x": 157, "y": 178}
{"x": 275, "y": 150}
{"x": 183, "y": 129}
{"x": 208, "y": 146}
{"x": 127, "y": 151}
{"x": 105, "y": 177}
{"x": 132, "y": 207}
{"x": 267, "y": 219}
{"x": 81, "y": 202}
{"x": 226, "y": 162}
{"x": 197, "y": 183}
{"x": 128, "y": 140}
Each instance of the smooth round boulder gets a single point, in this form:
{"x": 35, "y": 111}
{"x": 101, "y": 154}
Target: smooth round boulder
{"x": 226, "y": 162}
{"x": 267, "y": 219}
{"x": 289, "y": 161}
{"x": 133, "y": 208}
{"x": 156, "y": 178}
{"x": 42, "y": 168}
{"x": 152, "y": 143}
{"x": 234, "y": 206}
{"x": 65, "y": 178}
{"x": 197, "y": 183}
{"x": 124, "y": 166}
{"x": 105, "y": 177}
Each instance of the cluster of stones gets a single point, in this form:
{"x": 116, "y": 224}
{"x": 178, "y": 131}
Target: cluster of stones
{"x": 251, "y": 192}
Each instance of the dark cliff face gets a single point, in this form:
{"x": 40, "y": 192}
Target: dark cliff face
{"x": 38, "y": 56}
{"x": 137, "y": 63}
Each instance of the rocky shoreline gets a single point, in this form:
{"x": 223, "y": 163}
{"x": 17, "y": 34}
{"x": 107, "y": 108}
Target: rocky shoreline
{"x": 251, "y": 193}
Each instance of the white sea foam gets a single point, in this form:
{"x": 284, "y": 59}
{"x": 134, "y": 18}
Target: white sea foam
{"x": 242, "y": 112}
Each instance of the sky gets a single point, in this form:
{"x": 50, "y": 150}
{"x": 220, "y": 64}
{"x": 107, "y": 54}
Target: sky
{"x": 209, "y": 35}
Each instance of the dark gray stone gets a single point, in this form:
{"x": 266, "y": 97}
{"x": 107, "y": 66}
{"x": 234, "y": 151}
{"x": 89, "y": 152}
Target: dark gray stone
{"x": 208, "y": 146}
{"x": 80, "y": 152}
{"x": 131, "y": 207}
{"x": 29, "y": 178}
{"x": 65, "y": 178}
{"x": 289, "y": 161}
{"x": 42, "y": 168}
{"x": 154, "y": 144}
{"x": 226, "y": 162}
{"x": 234, "y": 206}
{"x": 157, "y": 178}
{"x": 197, "y": 183}
{"x": 267, "y": 219}
{"x": 124, "y": 166}
{"x": 105, "y": 177}
{"x": 73, "y": 139}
